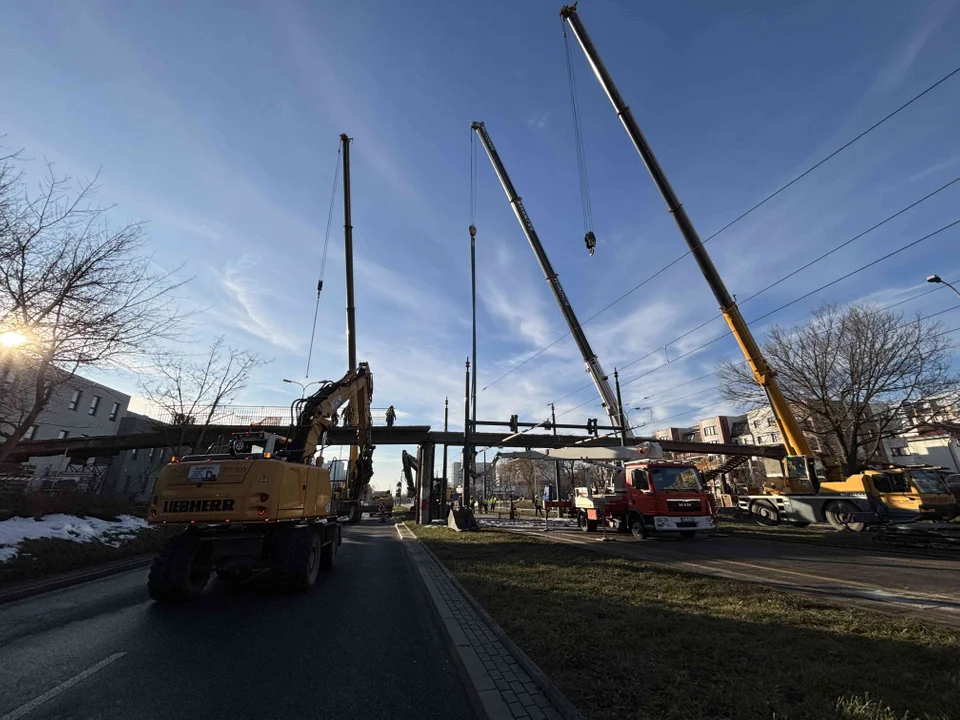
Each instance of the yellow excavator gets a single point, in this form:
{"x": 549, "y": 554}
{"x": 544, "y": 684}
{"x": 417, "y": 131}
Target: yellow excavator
{"x": 266, "y": 504}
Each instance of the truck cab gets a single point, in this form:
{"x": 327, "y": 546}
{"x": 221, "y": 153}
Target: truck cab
{"x": 902, "y": 494}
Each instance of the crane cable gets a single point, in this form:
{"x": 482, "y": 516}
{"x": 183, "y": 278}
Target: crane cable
{"x": 323, "y": 257}
{"x": 588, "y": 237}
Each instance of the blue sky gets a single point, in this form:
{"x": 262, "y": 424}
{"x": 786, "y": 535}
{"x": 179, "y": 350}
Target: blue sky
{"x": 218, "y": 123}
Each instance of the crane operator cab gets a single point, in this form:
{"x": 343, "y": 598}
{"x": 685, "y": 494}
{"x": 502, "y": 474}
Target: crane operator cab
{"x": 794, "y": 475}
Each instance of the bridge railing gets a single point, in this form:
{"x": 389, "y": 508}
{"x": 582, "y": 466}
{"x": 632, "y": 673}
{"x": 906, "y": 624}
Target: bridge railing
{"x": 242, "y": 415}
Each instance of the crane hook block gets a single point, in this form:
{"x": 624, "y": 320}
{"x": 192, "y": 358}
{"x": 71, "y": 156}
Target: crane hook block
{"x": 591, "y": 240}
{"x": 473, "y": 230}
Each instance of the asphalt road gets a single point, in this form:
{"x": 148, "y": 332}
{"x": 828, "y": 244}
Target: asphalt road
{"x": 361, "y": 644}
{"x": 913, "y": 584}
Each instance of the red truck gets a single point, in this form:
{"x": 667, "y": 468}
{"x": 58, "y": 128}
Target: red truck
{"x": 649, "y": 496}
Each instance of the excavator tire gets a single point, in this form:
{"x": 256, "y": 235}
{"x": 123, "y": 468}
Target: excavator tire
{"x": 328, "y": 554}
{"x": 840, "y": 515}
{"x": 179, "y": 571}
{"x": 300, "y": 559}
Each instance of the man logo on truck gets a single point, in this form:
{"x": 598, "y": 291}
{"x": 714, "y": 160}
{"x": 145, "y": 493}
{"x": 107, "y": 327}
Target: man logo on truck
{"x": 190, "y": 506}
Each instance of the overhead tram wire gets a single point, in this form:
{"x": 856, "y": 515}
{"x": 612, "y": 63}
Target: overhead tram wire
{"x": 806, "y": 295}
{"x": 743, "y": 361}
{"x": 775, "y": 310}
{"x": 323, "y": 257}
{"x": 737, "y": 219}
{"x": 782, "y": 279}
{"x": 714, "y": 387}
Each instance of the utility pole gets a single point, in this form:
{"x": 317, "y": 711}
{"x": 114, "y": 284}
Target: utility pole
{"x": 443, "y": 488}
{"x": 473, "y": 301}
{"x": 348, "y": 255}
{"x": 467, "y": 452}
{"x": 556, "y": 464}
{"x": 623, "y": 424}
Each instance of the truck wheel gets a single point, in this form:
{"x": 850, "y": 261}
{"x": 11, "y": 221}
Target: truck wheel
{"x": 840, "y": 515}
{"x": 765, "y": 512}
{"x": 582, "y": 522}
{"x": 179, "y": 571}
{"x": 688, "y": 534}
{"x": 300, "y": 561}
{"x": 328, "y": 555}
{"x": 638, "y": 527}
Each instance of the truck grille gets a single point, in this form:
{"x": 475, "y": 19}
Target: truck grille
{"x": 683, "y": 505}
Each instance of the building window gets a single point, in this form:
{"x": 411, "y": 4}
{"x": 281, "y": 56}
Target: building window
{"x": 31, "y": 432}
{"x": 114, "y": 409}
{"x": 152, "y": 452}
{"x": 771, "y": 422}
{"x": 63, "y": 435}
{"x": 710, "y": 430}
{"x": 94, "y": 404}
{"x": 75, "y": 400}
{"x": 756, "y": 423}
{"x": 775, "y": 437}
{"x": 133, "y": 453}
{"x": 900, "y": 452}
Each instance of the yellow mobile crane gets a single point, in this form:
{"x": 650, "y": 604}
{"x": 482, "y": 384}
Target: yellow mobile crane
{"x": 251, "y": 507}
{"x": 797, "y": 496}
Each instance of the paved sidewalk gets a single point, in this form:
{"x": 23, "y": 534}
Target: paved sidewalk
{"x": 502, "y": 682}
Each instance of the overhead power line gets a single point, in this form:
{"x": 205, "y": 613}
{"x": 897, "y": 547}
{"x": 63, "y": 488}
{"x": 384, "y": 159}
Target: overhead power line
{"x": 768, "y": 314}
{"x": 783, "y": 279}
{"x": 734, "y": 221}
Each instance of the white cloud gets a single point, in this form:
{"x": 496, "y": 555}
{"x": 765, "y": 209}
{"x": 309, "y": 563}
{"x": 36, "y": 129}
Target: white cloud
{"x": 898, "y": 67}
{"x": 539, "y": 122}
{"x": 245, "y": 294}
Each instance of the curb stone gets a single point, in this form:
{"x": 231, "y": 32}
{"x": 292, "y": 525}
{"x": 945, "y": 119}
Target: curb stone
{"x": 492, "y": 703}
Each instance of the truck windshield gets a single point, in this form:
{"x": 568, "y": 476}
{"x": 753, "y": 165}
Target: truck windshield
{"x": 927, "y": 482}
{"x": 675, "y": 479}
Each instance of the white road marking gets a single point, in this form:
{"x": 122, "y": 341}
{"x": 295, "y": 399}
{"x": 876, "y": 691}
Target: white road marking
{"x": 65, "y": 685}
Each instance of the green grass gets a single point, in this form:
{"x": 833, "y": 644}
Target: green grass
{"x": 49, "y": 556}
{"x": 627, "y": 640}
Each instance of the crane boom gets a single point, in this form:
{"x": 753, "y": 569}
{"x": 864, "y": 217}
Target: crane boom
{"x": 597, "y": 374}
{"x": 793, "y": 438}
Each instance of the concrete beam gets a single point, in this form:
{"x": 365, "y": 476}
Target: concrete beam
{"x": 106, "y": 445}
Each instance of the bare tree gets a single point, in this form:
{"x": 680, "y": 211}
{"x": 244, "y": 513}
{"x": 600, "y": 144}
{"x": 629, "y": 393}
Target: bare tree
{"x": 190, "y": 390}
{"x": 75, "y": 292}
{"x": 854, "y": 375}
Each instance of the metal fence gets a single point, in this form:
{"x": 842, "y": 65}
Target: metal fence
{"x": 242, "y": 415}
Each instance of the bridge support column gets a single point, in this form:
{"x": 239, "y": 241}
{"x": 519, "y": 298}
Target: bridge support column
{"x": 425, "y": 457}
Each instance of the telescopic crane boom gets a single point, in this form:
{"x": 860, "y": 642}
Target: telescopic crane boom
{"x": 800, "y": 471}
{"x": 597, "y": 374}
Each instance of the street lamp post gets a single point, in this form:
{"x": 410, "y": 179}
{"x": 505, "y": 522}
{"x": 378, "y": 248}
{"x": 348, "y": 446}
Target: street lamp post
{"x": 938, "y": 279}
{"x": 303, "y": 388}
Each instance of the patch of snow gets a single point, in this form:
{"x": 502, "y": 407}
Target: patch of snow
{"x": 66, "y": 527}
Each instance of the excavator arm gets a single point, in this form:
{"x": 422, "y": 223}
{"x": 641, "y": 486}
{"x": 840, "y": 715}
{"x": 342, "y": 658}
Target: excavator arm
{"x": 318, "y": 413}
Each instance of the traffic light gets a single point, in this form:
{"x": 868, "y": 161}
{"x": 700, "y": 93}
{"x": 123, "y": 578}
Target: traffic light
{"x": 592, "y": 426}
{"x": 514, "y": 423}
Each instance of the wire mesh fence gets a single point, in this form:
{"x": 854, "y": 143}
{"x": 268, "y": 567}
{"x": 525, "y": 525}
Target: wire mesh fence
{"x": 267, "y": 415}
